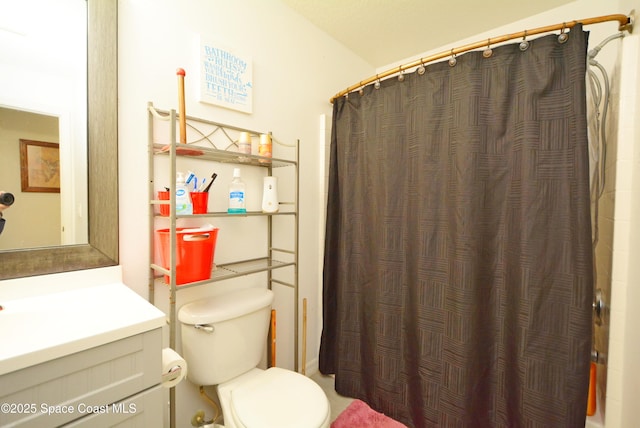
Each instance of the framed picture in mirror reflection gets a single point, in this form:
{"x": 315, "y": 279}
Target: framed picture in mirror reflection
{"x": 39, "y": 166}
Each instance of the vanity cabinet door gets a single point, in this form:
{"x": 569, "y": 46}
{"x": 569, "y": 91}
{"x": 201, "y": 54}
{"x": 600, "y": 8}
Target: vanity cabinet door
{"x": 65, "y": 389}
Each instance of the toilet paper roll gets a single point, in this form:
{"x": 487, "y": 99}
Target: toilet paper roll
{"x": 174, "y": 368}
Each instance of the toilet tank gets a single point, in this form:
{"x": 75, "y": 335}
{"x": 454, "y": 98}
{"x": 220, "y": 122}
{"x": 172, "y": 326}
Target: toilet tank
{"x": 226, "y": 335}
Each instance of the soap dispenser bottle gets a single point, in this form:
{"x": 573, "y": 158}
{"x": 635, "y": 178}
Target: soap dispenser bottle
{"x": 270, "y": 195}
{"x": 236, "y": 194}
{"x": 183, "y": 200}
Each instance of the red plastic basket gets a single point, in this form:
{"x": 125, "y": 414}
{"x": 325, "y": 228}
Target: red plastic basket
{"x": 195, "y": 252}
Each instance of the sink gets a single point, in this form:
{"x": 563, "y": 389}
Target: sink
{"x": 35, "y": 329}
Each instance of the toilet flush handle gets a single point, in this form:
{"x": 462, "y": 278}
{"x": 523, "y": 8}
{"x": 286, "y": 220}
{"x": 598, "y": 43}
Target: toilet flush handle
{"x": 206, "y": 327}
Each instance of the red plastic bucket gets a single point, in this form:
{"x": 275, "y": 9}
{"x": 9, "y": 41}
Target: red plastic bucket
{"x": 194, "y": 253}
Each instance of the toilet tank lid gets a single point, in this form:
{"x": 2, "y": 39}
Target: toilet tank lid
{"x": 225, "y": 306}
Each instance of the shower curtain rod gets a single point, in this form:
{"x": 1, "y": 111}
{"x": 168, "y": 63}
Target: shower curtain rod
{"x": 625, "y": 23}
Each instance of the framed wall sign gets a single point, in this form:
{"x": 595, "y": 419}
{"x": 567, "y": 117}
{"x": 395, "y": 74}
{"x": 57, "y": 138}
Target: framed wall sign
{"x": 39, "y": 166}
{"x": 225, "y": 77}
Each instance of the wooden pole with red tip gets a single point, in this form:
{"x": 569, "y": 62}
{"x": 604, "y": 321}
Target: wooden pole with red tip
{"x": 183, "y": 118}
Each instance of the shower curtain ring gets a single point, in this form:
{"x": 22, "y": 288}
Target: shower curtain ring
{"x": 377, "y": 84}
{"x": 421, "y": 69}
{"x": 563, "y": 37}
{"x": 453, "y": 60}
{"x": 524, "y": 44}
{"x": 401, "y": 75}
{"x": 488, "y": 51}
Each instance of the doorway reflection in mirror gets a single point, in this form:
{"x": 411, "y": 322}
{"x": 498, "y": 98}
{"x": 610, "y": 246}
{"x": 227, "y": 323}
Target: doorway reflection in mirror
{"x": 43, "y": 97}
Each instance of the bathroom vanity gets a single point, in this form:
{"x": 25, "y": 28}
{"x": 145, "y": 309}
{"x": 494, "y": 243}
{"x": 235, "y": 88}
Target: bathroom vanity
{"x": 83, "y": 356}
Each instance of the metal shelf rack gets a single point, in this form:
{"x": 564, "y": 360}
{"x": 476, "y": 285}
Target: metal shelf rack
{"x": 211, "y": 135}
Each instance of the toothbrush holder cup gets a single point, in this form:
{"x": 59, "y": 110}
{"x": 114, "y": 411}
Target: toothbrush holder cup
{"x": 200, "y": 201}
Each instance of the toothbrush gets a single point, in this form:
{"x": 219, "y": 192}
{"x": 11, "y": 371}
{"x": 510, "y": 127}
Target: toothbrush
{"x": 201, "y": 188}
{"x": 213, "y": 178}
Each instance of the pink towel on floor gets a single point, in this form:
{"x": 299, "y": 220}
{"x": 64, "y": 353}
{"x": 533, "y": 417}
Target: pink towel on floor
{"x": 359, "y": 415}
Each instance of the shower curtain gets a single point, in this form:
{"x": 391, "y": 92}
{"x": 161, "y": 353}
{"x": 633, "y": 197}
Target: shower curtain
{"x": 458, "y": 261}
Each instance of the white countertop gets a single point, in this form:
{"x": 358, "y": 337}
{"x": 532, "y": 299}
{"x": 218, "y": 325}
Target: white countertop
{"x": 39, "y": 328}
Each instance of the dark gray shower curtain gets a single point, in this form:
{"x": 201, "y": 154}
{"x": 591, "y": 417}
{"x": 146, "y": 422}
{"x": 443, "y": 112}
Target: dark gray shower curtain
{"x": 458, "y": 261}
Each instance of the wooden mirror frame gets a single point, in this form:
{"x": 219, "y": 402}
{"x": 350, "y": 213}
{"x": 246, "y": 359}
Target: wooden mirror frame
{"x": 102, "y": 148}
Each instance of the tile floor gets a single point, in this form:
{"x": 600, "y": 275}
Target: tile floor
{"x": 337, "y": 402}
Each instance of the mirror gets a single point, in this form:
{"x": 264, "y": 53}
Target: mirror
{"x": 102, "y": 184}
{"x": 43, "y": 116}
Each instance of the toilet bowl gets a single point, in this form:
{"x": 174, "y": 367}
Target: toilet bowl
{"x": 223, "y": 341}
{"x": 273, "y": 398}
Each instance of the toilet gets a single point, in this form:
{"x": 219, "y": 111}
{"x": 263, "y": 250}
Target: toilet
{"x": 223, "y": 340}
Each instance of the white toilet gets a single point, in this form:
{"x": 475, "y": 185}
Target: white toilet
{"x": 223, "y": 341}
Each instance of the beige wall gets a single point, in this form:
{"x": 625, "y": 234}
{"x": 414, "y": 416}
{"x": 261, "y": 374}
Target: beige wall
{"x": 34, "y": 218}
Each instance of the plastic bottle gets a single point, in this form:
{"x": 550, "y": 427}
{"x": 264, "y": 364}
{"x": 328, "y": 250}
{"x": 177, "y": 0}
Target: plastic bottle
{"x": 236, "y": 194}
{"x": 264, "y": 148}
{"x": 244, "y": 143}
{"x": 183, "y": 200}
{"x": 270, "y": 195}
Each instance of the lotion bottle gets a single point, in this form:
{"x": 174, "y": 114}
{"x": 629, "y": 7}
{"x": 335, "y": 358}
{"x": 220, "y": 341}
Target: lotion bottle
{"x": 236, "y": 194}
{"x": 183, "y": 200}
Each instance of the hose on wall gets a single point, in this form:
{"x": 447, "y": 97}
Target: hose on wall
{"x": 600, "y": 96}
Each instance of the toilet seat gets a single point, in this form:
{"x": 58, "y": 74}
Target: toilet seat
{"x": 280, "y": 398}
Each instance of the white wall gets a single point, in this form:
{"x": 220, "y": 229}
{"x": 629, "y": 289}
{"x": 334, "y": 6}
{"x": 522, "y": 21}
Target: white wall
{"x": 296, "y": 69}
